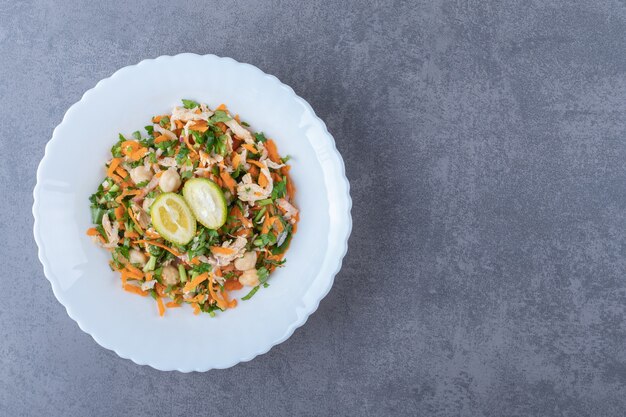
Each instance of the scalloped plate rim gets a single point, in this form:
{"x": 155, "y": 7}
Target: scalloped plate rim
{"x": 344, "y": 186}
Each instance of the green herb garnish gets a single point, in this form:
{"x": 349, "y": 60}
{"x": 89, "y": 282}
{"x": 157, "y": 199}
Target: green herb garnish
{"x": 220, "y": 116}
{"x": 190, "y": 104}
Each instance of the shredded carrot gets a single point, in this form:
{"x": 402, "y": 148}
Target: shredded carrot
{"x": 221, "y": 304}
{"x": 235, "y": 160}
{"x": 160, "y": 139}
{"x": 116, "y": 178}
{"x": 196, "y": 308}
{"x": 115, "y": 162}
{"x": 156, "y": 119}
{"x": 224, "y": 295}
{"x": 126, "y": 193}
{"x": 119, "y": 212}
{"x": 160, "y": 245}
{"x": 186, "y": 139}
{"x": 267, "y": 223}
{"x": 133, "y": 272}
{"x": 195, "y": 282}
{"x": 196, "y": 299}
{"x": 132, "y": 217}
{"x": 130, "y": 146}
{"x": 219, "y": 250}
{"x": 228, "y": 181}
{"x": 124, "y": 277}
{"x": 152, "y": 234}
{"x": 92, "y": 231}
{"x": 243, "y": 219}
{"x": 229, "y": 303}
{"x": 250, "y": 148}
{"x": 199, "y": 126}
{"x": 138, "y": 154}
{"x": 291, "y": 189}
{"x": 278, "y": 225}
{"x": 237, "y": 118}
{"x": 160, "y": 306}
{"x": 262, "y": 180}
{"x": 272, "y": 152}
{"x": 221, "y": 107}
{"x": 135, "y": 290}
{"x": 226, "y": 301}
{"x": 195, "y": 261}
{"x": 132, "y": 275}
{"x": 172, "y": 304}
{"x": 121, "y": 172}
{"x": 179, "y": 124}
{"x": 255, "y": 162}
{"x": 273, "y": 257}
{"x": 232, "y": 284}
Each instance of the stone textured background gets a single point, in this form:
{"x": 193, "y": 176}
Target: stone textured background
{"x": 485, "y": 145}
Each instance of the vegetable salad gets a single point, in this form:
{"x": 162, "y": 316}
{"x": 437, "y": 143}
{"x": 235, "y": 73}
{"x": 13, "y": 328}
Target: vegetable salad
{"x": 194, "y": 208}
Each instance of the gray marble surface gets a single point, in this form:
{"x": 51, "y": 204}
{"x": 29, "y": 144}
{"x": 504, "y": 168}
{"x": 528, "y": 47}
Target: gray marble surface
{"x": 485, "y": 143}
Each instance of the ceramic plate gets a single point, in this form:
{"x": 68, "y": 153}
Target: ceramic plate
{"x": 73, "y": 166}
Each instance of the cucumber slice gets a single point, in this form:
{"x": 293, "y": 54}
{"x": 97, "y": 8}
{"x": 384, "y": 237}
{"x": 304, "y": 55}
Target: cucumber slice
{"x": 173, "y": 219}
{"x": 206, "y": 200}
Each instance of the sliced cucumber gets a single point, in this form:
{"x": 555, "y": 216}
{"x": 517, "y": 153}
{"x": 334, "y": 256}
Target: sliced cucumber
{"x": 173, "y": 219}
{"x": 206, "y": 200}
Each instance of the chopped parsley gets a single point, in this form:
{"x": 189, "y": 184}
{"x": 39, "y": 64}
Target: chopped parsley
{"x": 279, "y": 190}
{"x": 220, "y": 116}
{"x": 190, "y": 104}
{"x": 251, "y": 293}
{"x": 260, "y": 137}
{"x": 181, "y": 157}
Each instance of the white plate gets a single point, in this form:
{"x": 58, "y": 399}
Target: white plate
{"x": 73, "y": 166}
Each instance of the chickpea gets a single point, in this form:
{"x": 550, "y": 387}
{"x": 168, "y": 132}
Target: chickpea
{"x": 140, "y": 174}
{"x": 169, "y": 276}
{"x": 137, "y": 257}
{"x": 247, "y": 261}
{"x": 169, "y": 181}
{"x": 249, "y": 278}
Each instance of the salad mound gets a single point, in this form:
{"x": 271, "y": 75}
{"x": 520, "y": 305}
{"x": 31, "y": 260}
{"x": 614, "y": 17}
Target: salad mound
{"x": 195, "y": 208}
